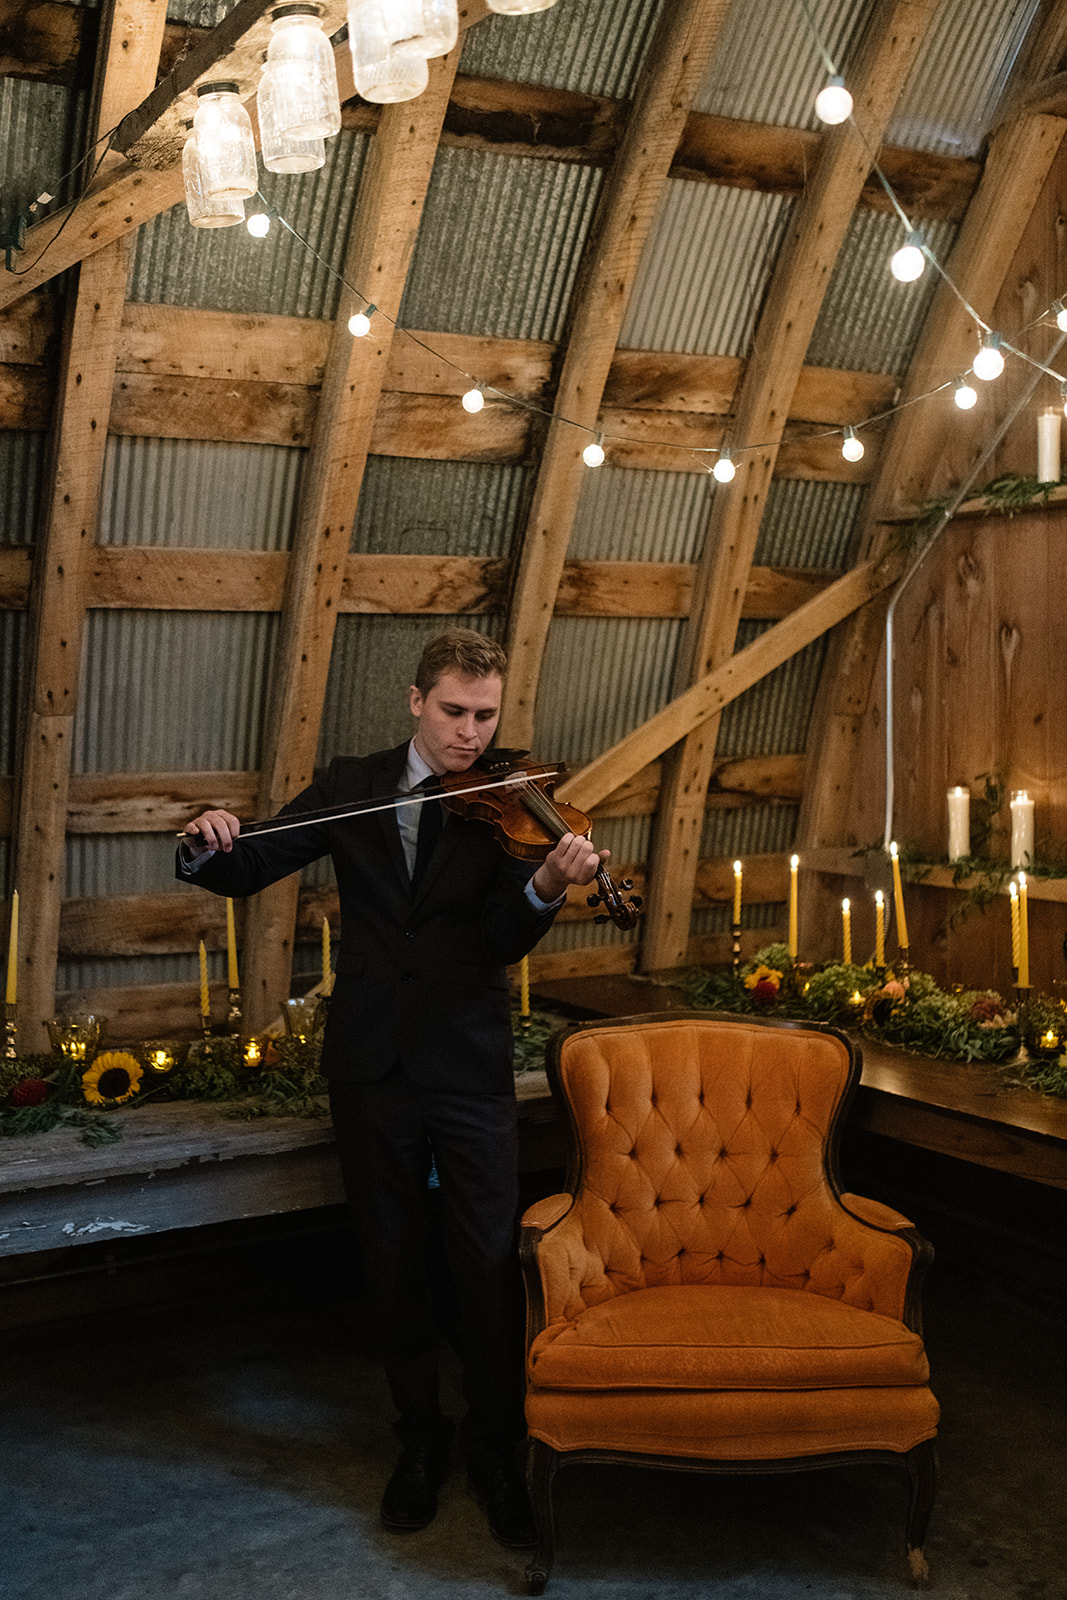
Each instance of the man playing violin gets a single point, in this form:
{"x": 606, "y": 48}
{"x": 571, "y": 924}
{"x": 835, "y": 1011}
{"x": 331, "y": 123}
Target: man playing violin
{"x": 418, "y": 1056}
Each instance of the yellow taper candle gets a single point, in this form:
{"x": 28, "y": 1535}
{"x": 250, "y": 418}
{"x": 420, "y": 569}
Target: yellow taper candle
{"x": 205, "y": 997}
{"x": 879, "y": 928}
{"x": 13, "y": 952}
{"x": 326, "y": 950}
{"x": 898, "y": 900}
{"x": 737, "y": 891}
{"x": 1024, "y": 936}
{"x": 846, "y": 931}
{"x": 794, "y": 866}
{"x": 232, "y": 977}
{"x": 524, "y": 987}
{"x": 1013, "y": 895}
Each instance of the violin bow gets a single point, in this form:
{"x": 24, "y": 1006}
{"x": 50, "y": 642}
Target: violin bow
{"x": 366, "y": 808}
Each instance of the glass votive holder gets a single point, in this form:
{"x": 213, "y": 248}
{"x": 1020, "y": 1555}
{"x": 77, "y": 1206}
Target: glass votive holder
{"x": 303, "y": 1018}
{"x": 159, "y": 1055}
{"x": 252, "y": 1053}
{"x": 76, "y": 1035}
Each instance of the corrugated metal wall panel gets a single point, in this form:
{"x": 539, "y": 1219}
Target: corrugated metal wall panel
{"x": 372, "y": 666}
{"x": 809, "y": 525}
{"x": 199, "y": 495}
{"x": 640, "y": 516}
{"x": 716, "y": 919}
{"x": 628, "y": 840}
{"x": 5, "y": 868}
{"x": 225, "y": 269}
{"x": 121, "y": 863}
{"x": 772, "y": 717}
{"x": 173, "y": 691}
{"x": 748, "y": 831}
{"x": 499, "y": 245}
{"x": 12, "y": 636}
{"x": 869, "y": 322}
{"x": 952, "y": 94}
{"x": 768, "y": 67}
{"x": 590, "y": 46}
{"x": 22, "y": 459}
{"x": 602, "y": 677}
{"x": 704, "y": 269}
{"x": 74, "y": 978}
{"x": 447, "y": 508}
{"x": 42, "y": 134}
{"x": 199, "y": 13}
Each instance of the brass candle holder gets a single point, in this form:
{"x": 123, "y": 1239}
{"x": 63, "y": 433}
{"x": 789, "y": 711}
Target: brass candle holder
{"x": 234, "y": 1014}
{"x": 11, "y": 1030}
{"x": 735, "y": 935}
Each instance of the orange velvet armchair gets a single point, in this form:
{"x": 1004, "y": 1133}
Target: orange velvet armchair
{"x": 704, "y": 1296}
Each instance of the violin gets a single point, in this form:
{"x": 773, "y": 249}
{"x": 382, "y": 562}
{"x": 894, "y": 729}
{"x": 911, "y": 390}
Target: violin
{"x": 528, "y": 822}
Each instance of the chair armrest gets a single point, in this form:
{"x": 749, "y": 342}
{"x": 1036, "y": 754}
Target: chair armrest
{"x": 544, "y": 1214}
{"x": 874, "y": 1212}
{"x": 883, "y": 1219}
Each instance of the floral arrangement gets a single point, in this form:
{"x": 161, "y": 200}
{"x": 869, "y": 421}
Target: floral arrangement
{"x": 1028, "y": 1043}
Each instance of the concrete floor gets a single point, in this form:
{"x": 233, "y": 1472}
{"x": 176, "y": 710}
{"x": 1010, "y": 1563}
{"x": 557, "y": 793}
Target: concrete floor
{"x": 233, "y": 1447}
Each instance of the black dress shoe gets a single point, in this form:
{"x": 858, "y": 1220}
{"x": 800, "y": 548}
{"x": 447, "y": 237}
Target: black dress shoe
{"x": 498, "y": 1486}
{"x": 410, "y": 1498}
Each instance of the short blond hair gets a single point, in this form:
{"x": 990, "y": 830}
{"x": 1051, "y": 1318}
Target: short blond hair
{"x": 461, "y": 650}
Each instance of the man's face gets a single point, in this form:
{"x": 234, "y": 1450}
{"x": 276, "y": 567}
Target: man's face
{"x": 457, "y": 718}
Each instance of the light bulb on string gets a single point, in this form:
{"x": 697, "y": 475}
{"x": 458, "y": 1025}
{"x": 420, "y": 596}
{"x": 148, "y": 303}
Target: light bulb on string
{"x": 833, "y": 104}
{"x": 593, "y": 454}
{"x": 724, "y": 470}
{"x": 1061, "y": 315}
{"x": 852, "y": 449}
{"x": 519, "y": 8}
{"x": 965, "y": 396}
{"x": 473, "y": 400}
{"x": 359, "y": 324}
{"x": 258, "y": 224}
{"x": 909, "y": 262}
{"x": 989, "y": 363}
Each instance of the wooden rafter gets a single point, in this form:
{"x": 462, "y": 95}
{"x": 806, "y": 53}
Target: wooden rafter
{"x": 1018, "y": 162}
{"x": 378, "y": 255}
{"x": 672, "y": 75}
{"x": 127, "y": 63}
{"x": 790, "y": 312}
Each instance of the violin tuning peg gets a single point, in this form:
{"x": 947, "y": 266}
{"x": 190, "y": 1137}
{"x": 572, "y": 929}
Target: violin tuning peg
{"x": 600, "y": 920}
{"x": 636, "y": 900}
{"x": 626, "y": 883}
{"x": 592, "y": 899}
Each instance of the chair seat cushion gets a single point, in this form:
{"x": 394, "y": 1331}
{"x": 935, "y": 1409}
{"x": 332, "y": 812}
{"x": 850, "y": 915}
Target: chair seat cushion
{"x": 701, "y": 1337}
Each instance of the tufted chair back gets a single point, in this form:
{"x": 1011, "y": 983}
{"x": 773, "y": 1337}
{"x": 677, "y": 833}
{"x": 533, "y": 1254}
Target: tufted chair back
{"x": 703, "y": 1154}
{"x": 704, "y": 1295}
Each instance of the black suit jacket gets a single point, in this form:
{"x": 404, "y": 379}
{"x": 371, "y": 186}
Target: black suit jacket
{"x": 420, "y": 975}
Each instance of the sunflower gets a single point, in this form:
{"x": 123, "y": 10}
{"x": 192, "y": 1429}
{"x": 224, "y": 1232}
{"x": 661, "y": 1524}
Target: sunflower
{"x": 112, "y": 1079}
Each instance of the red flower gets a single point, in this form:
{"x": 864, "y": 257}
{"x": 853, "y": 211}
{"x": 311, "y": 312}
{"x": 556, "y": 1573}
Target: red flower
{"x": 764, "y": 993}
{"x": 29, "y": 1092}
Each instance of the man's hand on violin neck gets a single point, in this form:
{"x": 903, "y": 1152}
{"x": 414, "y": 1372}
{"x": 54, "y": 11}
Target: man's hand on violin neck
{"x": 213, "y": 830}
{"x": 572, "y": 861}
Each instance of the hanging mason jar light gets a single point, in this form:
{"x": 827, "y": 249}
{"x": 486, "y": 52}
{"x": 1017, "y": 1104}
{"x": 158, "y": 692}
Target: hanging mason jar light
{"x": 382, "y": 72}
{"x": 282, "y": 152}
{"x": 206, "y": 211}
{"x": 427, "y": 28}
{"x": 518, "y": 8}
{"x": 302, "y": 74}
{"x": 226, "y": 151}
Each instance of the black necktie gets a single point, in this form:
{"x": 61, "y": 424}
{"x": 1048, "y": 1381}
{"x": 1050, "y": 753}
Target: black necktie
{"x": 431, "y": 821}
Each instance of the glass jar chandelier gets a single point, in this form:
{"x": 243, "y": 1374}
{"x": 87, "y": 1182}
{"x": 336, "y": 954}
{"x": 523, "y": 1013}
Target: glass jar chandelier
{"x": 281, "y": 151}
{"x": 301, "y": 75}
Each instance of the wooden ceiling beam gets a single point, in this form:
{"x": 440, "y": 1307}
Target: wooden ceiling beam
{"x": 791, "y": 308}
{"x": 670, "y": 78}
{"x": 1019, "y": 160}
{"x": 129, "y": 51}
{"x": 380, "y": 245}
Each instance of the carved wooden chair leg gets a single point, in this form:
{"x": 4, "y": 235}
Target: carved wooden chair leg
{"x": 540, "y": 1474}
{"x": 922, "y": 1472}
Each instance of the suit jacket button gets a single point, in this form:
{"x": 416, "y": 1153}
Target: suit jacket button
{"x": 408, "y": 934}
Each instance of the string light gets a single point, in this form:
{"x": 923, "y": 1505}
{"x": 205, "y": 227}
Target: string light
{"x": 359, "y": 324}
{"x": 965, "y": 396}
{"x": 593, "y": 454}
{"x": 833, "y": 104}
{"x": 724, "y": 470}
{"x": 519, "y": 8}
{"x": 909, "y": 262}
{"x": 1061, "y": 315}
{"x": 989, "y": 362}
{"x": 258, "y": 224}
{"x": 852, "y": 449}
{"x": 473, "y": 400}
